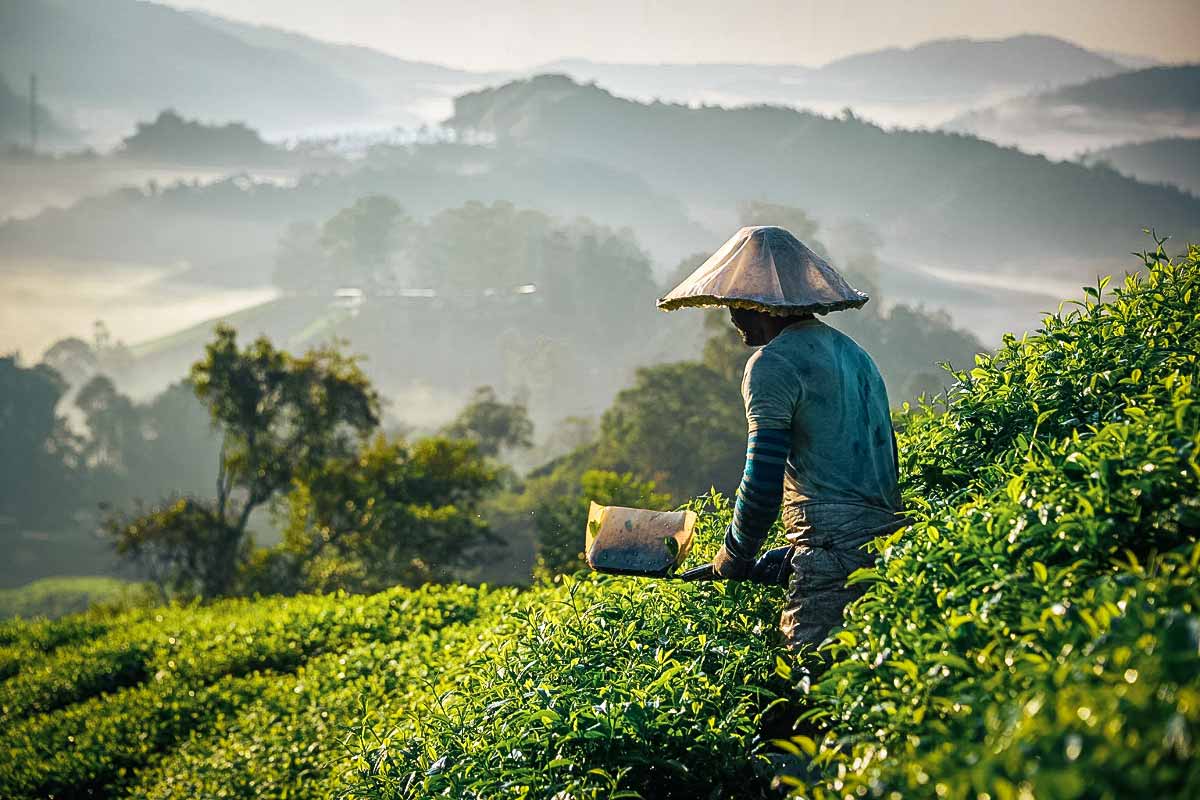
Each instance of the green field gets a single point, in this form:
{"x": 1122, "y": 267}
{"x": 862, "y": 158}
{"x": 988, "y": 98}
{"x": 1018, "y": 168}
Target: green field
{"x": 1034, "y": 634}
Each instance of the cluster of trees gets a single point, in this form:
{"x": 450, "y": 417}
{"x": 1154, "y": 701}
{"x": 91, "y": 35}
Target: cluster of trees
{"x": 354, "y": 247}
{"x": 87, "y": 442}
{"x": 493, "y": 294}
{"x": 361, "y": 510}
{"x": 172, "y": 139}
{"x": 252, "y": 429}
{"x": 39, "y": 462}
{"x": 464, "y": 255}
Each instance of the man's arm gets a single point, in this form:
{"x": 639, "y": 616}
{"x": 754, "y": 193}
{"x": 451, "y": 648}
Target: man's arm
{"x": 758, "y": 499}
{"x": 772, "y": 392}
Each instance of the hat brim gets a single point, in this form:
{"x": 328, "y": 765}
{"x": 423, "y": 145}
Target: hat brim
{"x": 708, "y": 300}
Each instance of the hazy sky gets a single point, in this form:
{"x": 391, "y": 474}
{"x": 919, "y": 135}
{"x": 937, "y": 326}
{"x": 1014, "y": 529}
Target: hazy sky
{"x": 512, "y": 34}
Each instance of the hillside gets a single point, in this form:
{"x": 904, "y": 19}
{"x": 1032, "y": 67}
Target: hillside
{"x": 1173, "y": 161}
{"x": 93, "y": 55}
{"x": 227, "y": 230}
{"x": 917, "y": 85}
{"x": 1033, "y": 633}
{"x": 395, "y": 85}
{"x": 1145, "y": 104}
{"x": 965, "y": 69}
{"x": 1158, "y": 90}
{"x": 935, "y": 197}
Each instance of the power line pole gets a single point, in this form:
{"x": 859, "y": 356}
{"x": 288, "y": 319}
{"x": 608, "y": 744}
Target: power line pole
{"x": 33, "y": 120}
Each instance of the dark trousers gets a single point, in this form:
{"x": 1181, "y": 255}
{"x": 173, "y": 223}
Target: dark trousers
{"x": 828, "y": 544}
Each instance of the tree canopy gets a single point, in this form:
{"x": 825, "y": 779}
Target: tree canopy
{"x": 281, "y": 417}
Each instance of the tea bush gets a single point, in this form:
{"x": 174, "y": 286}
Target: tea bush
{"x": 283, "y": 742}
{"x": 21, "y": 643}
{"x": 1035, "y": 633}
{"x": 233, "y": 637}
{"x": 69, "y": 726}
{"x": 595, "y": 687}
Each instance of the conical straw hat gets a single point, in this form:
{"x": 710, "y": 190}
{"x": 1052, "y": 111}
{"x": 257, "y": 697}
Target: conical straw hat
{"x": 765, "y": 269}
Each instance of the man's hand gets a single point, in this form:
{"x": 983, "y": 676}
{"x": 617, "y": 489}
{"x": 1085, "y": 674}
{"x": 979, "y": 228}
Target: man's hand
{"x": 732, "y": 567}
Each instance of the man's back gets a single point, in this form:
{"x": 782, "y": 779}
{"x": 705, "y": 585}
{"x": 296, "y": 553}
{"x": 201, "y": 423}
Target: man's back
{"x": 818, "y": 383}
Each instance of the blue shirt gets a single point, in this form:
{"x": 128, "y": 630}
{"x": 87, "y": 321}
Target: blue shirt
{"x": 819, "y": 385}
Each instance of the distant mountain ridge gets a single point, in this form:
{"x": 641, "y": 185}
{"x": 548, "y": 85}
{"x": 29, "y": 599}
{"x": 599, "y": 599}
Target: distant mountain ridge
{"x": 389, "y": 80}
{"x": 944, "y": 71}
{"x": 1137, "y": 106}
{"x": 106, "y": 64}
{"x": 969, "y": 68}
{"x": 1174, "y": 161}
{"x": 1170, "y": 89}
{"x": 934, "y": 196}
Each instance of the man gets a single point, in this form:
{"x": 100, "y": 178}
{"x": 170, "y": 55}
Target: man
{"x": 820, "y": 443}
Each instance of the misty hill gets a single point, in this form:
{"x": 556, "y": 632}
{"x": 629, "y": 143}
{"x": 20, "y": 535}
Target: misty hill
{"x": 966, "y": 69}
{"x": 106, "y": 63}
{"x": 1130, "y": 61}
{"x": 227, "y": 231}
{"x": 174, "y": 139}
{"x": 947, "y": 72}
{"x": 731, "y": 84}
{"x": 1159, "y": 102}
{"x": 394, "y": 84}
{"x": 1158, "y": 90}
{"x": 1174, "y": 161}
{"x": 934, "y": 196}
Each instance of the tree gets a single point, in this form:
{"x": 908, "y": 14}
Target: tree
{"x": 465, "y": 250}
{"x": 39, "y": 467}
{"x": 681, "y": 424}
{"x": 182, "y": 546}
{"x": 561, "y": 521}
{"x": 569, "y": 434}
{"x": 493, "y": 425}
{"x": 114, "y": 424}
{"x": 281, "y": 418}
{"x": 73, "y": 359}
{"x": 171, "y": 137}
{"x": 855, "y": 246}
{"x": 301, "y": 263}
{"x": 800, "y": 224}
{"x": 145, "y": 450}
{"x": 395, "y": 513}
{"x": 361, "y": 240}
{"x": 724, "y": 351}
{"x": 182, "y": 443}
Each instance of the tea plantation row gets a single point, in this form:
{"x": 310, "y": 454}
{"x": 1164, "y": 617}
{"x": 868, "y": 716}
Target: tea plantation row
{"x": 1034, "y": 633}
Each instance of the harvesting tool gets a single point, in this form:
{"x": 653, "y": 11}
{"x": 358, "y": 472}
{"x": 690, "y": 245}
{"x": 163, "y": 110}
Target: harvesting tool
{"x": 652, "y": 544}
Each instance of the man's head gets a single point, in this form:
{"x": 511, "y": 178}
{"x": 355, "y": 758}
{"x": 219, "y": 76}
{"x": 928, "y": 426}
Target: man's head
{"x": 758, "y": 327}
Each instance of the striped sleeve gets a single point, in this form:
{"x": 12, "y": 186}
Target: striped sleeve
{"x": 760, "y": 493}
